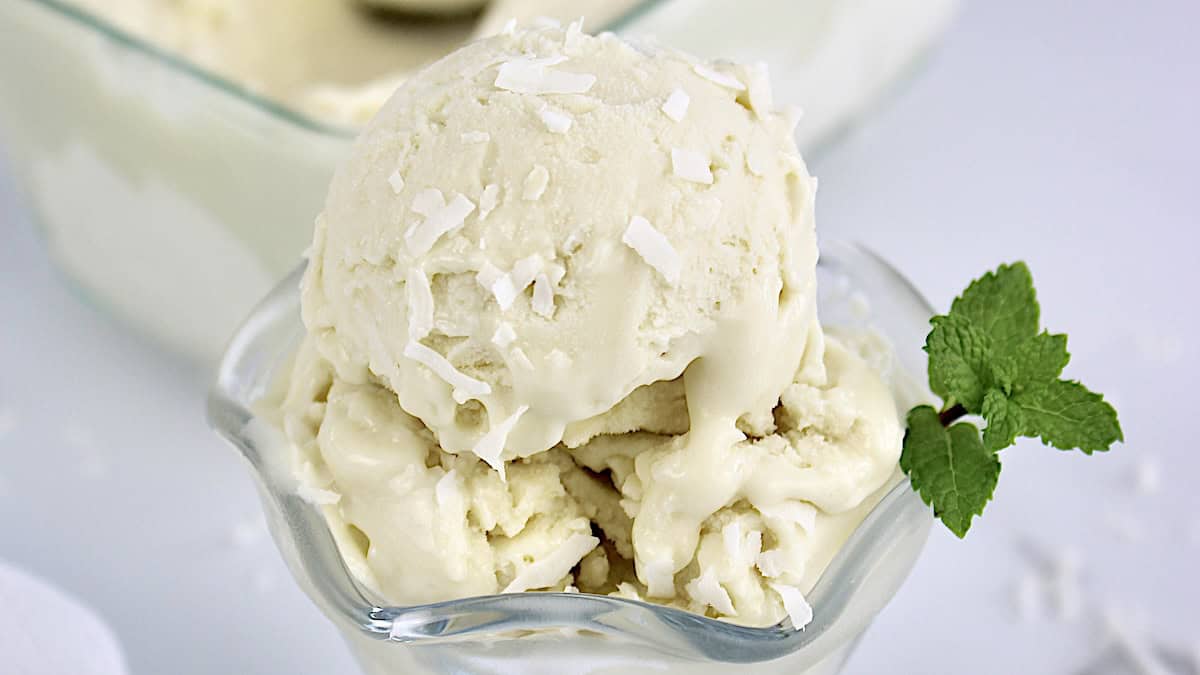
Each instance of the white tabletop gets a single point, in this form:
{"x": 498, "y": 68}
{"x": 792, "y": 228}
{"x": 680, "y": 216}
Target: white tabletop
{"x": 1063, "y": 133}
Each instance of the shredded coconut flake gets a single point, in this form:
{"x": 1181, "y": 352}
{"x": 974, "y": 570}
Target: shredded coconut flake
{"x": 551, "y": 569}
{"x": 437, "y": 223}
{"x": 628, "y": 591}
{"x": 510, "y": 27}
{"x": 654, "y": 248}
{"x": 676, "y": 105}
{"x": 476, "y": 137}
{"x": 504, "y": 292}
{"x": 742, "y": 549}
{"x": 762, "y": 100}
{"x": 318, "y": 496}
{"x": 756, "y": 160}
{"x": 555, "y": 273}
{"x": 504, "y": 335}
{"x": 794, "y": 603}
{"x": 490, "y": 446}
{"x": 556, "y": 121}
{"x": 465, "y": 388}
{"x": 792, "y": 511}
{"x": 691, "y": 166}
{"x": 557, "y": 358}
{"x": 706, "y": 590}
{"x": 519, "y": 357}
{"x": 488, "y": 275}
{"x": 660, "y": 579}
{"x": 488, "y": 200}
{"x": 448, "y": 491}
{"x": 428, "y": 201}
{"x": 771, "y": 563}
{"x": 396, "y": 181}
{"x": 535, "y": 183}
{"x": 420, "y": 303}
{"x": 717, "y": 77}
{"x": 525, "y": 271}
{"x": 533, "y": 76}
{"x": 573, "y": 35}
{"x": 543, "y": 296}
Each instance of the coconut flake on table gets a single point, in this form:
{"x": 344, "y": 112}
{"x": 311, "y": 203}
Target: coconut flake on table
{"x": 488, "y": 199}
{"x": 490, "y": 446}
{"x": 437, "y": 222}
{"x": 550, "y": 570}
{"x": 318, "y": 496}
{"x": 420, "y": 303}
{"x": 504, "y": 335}
{"x": 475, "y": 137}
{"x": 691, "y": 166}
{"x": 537, "y": 76}
{"x": 654, "y": 248}
{"x": 676, "y": 105}
{"x": 465, "y": 387}
{"x": 543, "y": 296}
{"x": 396, "y": 181}
{"x": 706, "y": 590}
{"x": 535, "y": 183}
{"x": 556, "y": 121}
{"x": 719, "y": 78}
{"x": 794, "y": 604}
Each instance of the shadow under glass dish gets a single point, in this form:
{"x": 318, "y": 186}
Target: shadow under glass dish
{"x": 564, "y": 633}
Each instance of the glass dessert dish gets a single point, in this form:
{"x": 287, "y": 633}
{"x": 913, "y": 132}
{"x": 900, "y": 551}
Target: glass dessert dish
{"x": 571, "y": 633}
{"x": 173, "y": 197}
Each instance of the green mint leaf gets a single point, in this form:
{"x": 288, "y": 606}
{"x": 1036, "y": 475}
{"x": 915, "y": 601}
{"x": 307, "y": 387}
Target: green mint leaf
{"x": 949, "y": 468}
{"x": 1003, "y": 305}
{"x": 959, "y": 361}
{"x": 1005, "y": 421}
{"x": 1039, "y": 359}
{"x": 1068, "y": 416}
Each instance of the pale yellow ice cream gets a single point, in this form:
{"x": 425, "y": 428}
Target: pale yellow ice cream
{"x": 562, "y": 334}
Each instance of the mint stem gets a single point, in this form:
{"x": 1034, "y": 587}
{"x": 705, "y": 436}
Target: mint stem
{"x": 951, "y": 415}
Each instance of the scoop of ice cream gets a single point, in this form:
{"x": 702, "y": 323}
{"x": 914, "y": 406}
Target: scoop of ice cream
{"x": 562, "y": 333}
{"x": 543, "y": 222}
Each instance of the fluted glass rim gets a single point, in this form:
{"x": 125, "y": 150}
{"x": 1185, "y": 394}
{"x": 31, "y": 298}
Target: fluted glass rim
{"x": 265, "y": 341}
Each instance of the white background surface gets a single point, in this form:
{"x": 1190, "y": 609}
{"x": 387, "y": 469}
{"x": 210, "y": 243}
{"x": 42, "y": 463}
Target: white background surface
{"x": 1064, "y": 133}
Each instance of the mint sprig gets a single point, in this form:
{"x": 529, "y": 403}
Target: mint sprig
{"x": 989, "y": 359}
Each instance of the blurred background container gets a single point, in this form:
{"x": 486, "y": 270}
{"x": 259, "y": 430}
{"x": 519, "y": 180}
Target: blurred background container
{"x": 175, "y": 197}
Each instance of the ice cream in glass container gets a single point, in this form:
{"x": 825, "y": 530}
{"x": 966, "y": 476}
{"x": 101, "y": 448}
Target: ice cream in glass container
{"x": 562, "y": 392}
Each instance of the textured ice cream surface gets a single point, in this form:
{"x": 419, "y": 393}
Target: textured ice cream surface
{"x": 599, "y": 265}
{"x": 562, "y": 334}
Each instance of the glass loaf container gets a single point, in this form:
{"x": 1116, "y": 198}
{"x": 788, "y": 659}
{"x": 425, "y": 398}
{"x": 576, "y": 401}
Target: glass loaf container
{"x": 174, "y": 198}
{"x": 580, "y": 634}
